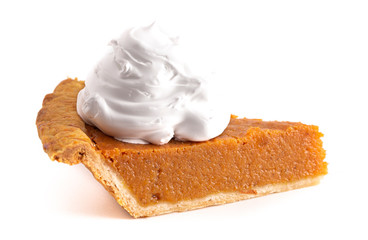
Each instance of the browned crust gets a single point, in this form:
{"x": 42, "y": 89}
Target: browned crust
{"x": 64, "y": 139}
{"x": 60, "y": 129}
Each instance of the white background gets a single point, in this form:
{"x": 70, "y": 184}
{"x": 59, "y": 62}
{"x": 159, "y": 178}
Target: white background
{"x": 277, "y": 60}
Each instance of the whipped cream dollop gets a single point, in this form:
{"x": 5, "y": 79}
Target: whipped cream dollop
{"x": 141, "y": 92}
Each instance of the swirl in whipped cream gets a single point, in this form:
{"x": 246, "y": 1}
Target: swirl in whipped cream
{"x": 141, "y": 93}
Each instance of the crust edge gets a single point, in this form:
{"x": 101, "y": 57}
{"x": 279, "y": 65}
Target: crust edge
{"x": 62, "y": 132}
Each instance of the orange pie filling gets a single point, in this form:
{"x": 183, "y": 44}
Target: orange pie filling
{"x": 249, "y": 154}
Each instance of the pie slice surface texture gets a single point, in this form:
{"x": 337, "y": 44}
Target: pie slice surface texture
{"x": 251, "y": 158}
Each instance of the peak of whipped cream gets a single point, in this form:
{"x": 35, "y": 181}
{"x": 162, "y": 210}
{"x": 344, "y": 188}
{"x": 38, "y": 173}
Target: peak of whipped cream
{"x": 141, "y": 92}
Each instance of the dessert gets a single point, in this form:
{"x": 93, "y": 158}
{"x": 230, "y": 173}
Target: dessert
{"x": 250, "y": 158}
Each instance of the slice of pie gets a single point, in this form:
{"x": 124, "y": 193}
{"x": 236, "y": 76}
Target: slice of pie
{"x": 251, "y": 158}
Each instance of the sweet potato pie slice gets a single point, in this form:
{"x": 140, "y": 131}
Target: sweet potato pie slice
{"x": 250, "y": 159}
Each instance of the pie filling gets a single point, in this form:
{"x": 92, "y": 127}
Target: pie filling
{"x": 250, "y": 153}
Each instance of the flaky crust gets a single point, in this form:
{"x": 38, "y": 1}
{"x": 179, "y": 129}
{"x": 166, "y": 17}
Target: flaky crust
{"x": 60, "y": 128}
{"x": 64, "y": 139}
